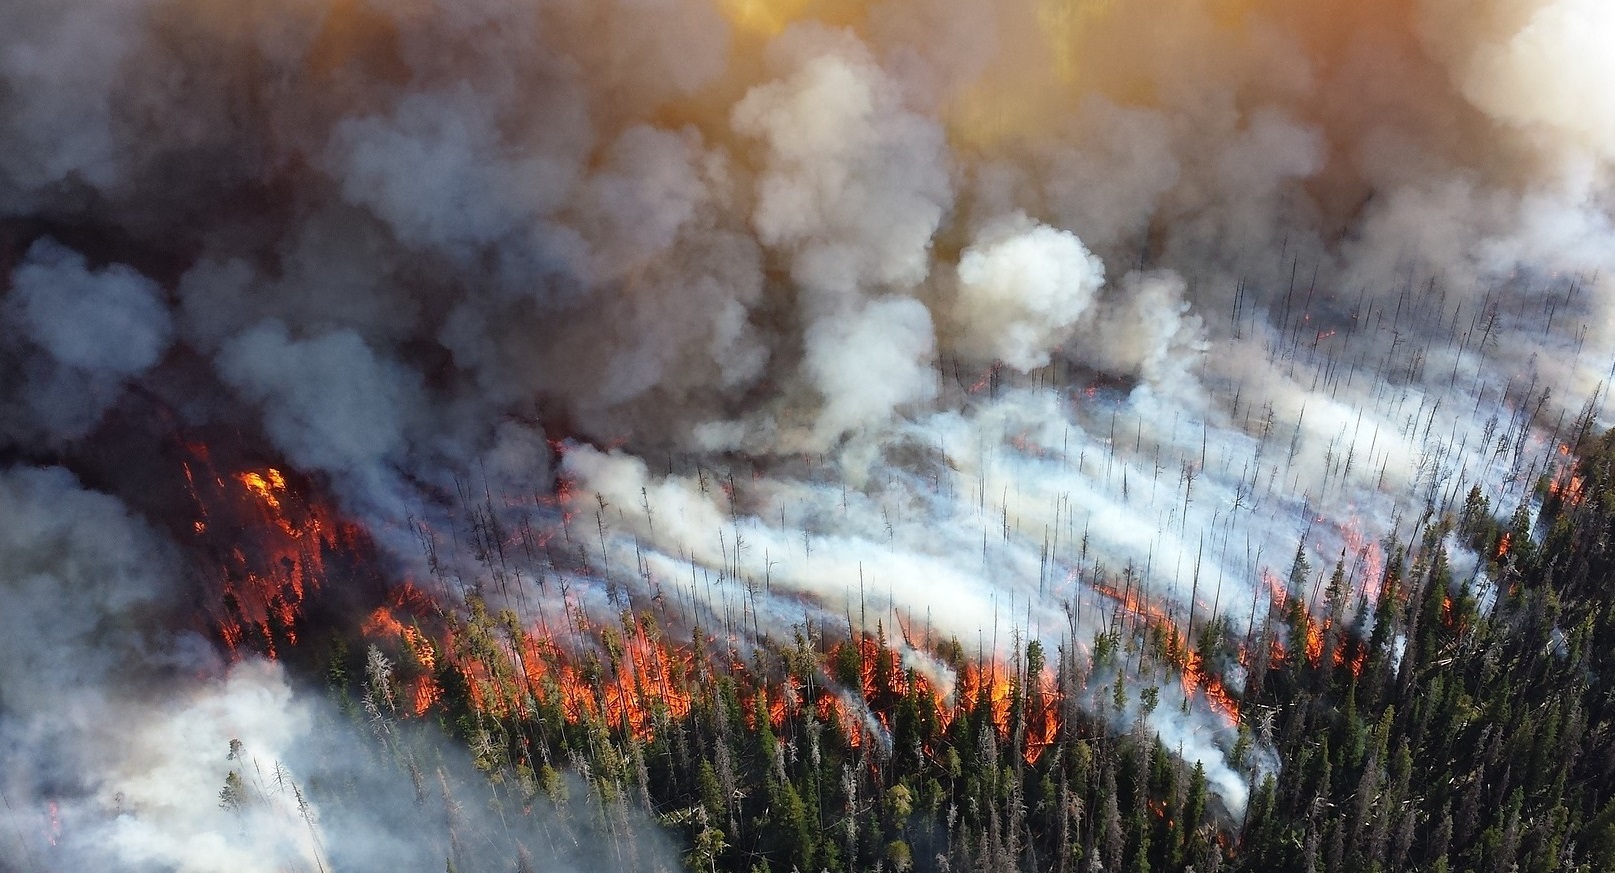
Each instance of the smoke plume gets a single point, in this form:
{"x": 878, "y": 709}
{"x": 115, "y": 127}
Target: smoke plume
{"x": 933, "y": 314}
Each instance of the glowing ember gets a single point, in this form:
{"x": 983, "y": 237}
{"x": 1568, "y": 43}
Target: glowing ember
{"x": 265, "y": 485}
{"x": 1314, "y": 646}
{"x": 1275, "y": 588}
{"x": 636, "y": 680}
{"x": 269, "y": 543}
{"x": 1567, "y": 486}
{"x": 1370, "y": 558}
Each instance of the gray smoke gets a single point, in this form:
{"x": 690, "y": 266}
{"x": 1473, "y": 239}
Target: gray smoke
{"x": 126, "y": 744}
{"x": 78, "y": 337}
{"x": 939, "y": 310}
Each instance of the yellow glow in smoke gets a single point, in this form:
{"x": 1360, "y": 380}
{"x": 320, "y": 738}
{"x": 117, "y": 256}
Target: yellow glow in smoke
{"x": 1026, "y": 89}
{"x": 988, "y": 112}
{"x": 1230, "y": 13}
{"x": 1053, "y": 52}
{"x": 1063, "y": 22}
{"x": 764, "y": 18}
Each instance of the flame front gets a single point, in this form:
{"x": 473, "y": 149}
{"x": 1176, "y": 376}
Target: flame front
{"x": 269, "y": 545}
{"x": 634, "y": 680}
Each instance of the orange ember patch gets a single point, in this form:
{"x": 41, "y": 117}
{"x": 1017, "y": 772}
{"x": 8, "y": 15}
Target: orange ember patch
{"x": 1314, "y": 646}
{"x": 1275, "y": 588}
{"x": 1042, "y": 716}
{"x": 1135, "y": 607}
{"x": 986, "y": 379}
{"x": 1371, "y": 555}
{"x": 425, "y": 693}
{"x": 1567, "y": 486}
{"x": 269, "y": 543}
{"x": 1218, "y": 697}
{"x": 382, "y": 624}
{"x": 265, "y": 485}
{"x": 1195, "y": 678}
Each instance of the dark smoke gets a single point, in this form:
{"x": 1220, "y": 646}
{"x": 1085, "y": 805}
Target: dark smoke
{"x": 974, "y": 300}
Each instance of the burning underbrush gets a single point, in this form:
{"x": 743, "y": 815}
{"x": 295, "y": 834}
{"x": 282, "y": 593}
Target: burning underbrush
{"x": 679, "y": 711}
{"x": 712, "y": 725}
{"x": 275, "y": 568}
{"x": 271, "y": 547}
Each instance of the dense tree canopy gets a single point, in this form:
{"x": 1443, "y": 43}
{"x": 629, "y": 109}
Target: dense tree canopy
{"x": 1456, "y": 722}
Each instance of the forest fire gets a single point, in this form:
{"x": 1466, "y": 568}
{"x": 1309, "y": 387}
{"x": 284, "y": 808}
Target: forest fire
{"x": 635, "y": 681}
{"x": 1368, "y": 560}
{"x": 1567, "y": 486}
{"x": 1195, "y": 677}
{"x": 629, "y": 677}
{"x": 533, "y": 373}
{"x": 269, "y": 543}
{"x": 470, "y": 665}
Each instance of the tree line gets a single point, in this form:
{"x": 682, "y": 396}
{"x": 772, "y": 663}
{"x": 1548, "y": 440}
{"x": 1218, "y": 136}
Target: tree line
{"x": 1433, "y": 723}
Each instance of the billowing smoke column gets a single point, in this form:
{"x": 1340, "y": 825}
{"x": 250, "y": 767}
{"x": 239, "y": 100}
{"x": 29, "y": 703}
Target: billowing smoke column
{"x": 944, "y": 314}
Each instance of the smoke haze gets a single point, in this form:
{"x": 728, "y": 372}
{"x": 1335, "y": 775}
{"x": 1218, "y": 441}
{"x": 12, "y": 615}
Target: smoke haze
{"x": 922, "y": 313}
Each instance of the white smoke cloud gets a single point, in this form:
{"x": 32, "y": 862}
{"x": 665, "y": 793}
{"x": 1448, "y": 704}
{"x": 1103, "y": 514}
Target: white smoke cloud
{"x": 61, "y": 67}
{"x": 410, "y": 241}
{"x": 1107, "y": 181}
{"x": 1145, "y": 330}
{"x": 853, "y": 184}
{"x": 110, "y": 320}
{"x": 1021, "y": 288}
{"x": 440, "y": 174}
{"x": 97, "y": 329}
{"x": 868, "y": 363}
{"x": 328, "y": 401}
{"x": 1549, "y": 75}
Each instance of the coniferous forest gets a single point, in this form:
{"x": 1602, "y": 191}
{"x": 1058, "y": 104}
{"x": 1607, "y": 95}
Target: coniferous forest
{"x": 1462, "y": 724}
{"x": 807, "y": 436}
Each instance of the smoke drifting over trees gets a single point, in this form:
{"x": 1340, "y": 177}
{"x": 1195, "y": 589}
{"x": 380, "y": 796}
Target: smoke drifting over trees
{"x": 922, "y": 313}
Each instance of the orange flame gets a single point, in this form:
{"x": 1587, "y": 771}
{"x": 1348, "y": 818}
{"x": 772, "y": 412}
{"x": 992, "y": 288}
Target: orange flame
{"x": 1042, "y": 717}
{"x": 269, "y": 543}
{"x": 1371, "y": 555}
{"x": 991, "y": 684}
{"x": 1314, "y": 645}
{"x": 1567, "y": 486}
{"x": 1217, "y": 695}
{"x": 1195, "y": 678}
